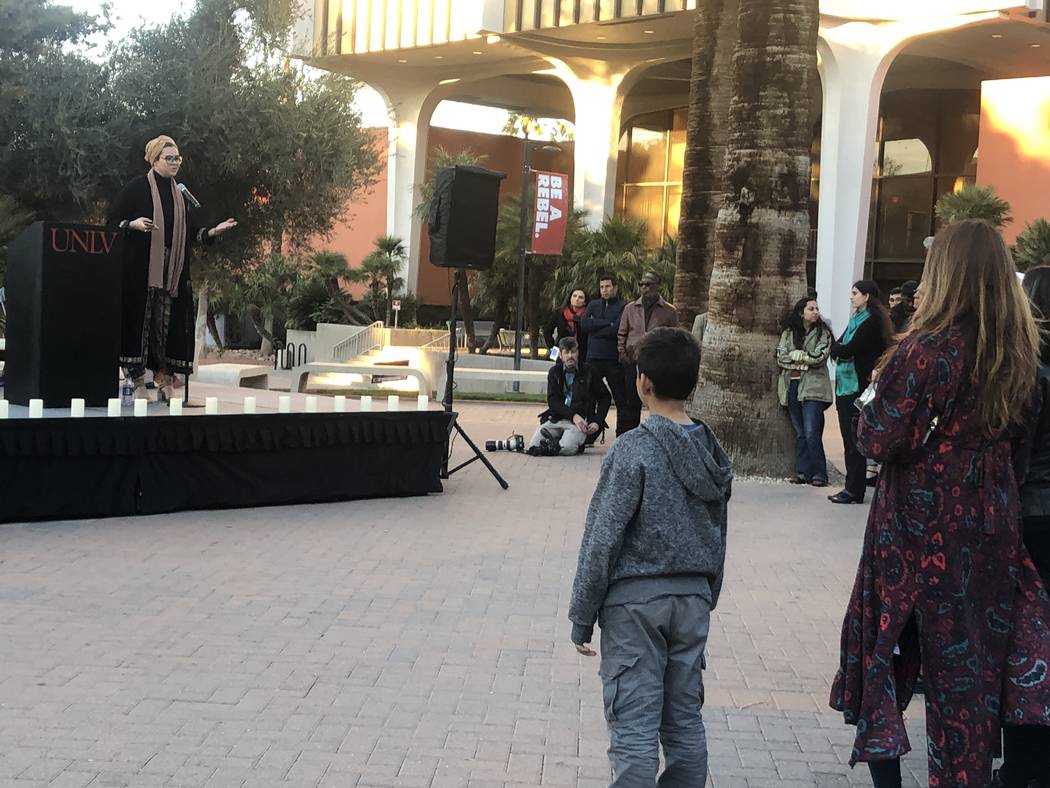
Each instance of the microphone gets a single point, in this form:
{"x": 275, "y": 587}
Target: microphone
{"x": 188, "y": 195}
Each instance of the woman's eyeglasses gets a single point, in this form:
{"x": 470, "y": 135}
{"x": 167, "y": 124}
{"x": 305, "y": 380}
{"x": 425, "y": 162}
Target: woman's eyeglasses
{"x": 172, "y": 159}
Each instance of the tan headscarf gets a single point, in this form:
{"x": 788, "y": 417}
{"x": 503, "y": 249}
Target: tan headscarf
{"x": 155, "y": 146}
{"x": 161, "y": 276}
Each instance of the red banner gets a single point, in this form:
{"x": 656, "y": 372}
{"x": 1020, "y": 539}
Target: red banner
{"x": 551, "y": 212}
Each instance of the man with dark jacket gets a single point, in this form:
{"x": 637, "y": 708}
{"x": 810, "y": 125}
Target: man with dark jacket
{"x": 577, "y": 404}
{"x": 639, "y": 318}
{"x": 600, "y": 323}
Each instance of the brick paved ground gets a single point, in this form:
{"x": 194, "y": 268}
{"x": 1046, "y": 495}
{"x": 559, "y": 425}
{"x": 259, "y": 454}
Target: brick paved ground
{"x": 415, "y": 642}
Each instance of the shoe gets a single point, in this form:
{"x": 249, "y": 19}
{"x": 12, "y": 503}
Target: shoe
{"x": 534, "y": 451}
{"x": 844, "y": 497}
{"x": 550, "y": 447}
{"x": 799, "y": 480}
{"x": 818, "y": 482}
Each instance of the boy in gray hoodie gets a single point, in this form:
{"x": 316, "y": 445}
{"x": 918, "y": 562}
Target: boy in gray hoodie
{"x": 650, "y": 571}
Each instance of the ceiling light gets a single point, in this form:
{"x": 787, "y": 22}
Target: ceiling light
{"x": 997, "y": 35}
{"x": 649, "y": 32}
{"x": 477, "y": 52}
{"x": 1036, "y": 46}
{"x": 402, "y": 60}
{"x": 439, "y": 57}
{"x": 601, "y": 38}
{"x": 492, "y": 39}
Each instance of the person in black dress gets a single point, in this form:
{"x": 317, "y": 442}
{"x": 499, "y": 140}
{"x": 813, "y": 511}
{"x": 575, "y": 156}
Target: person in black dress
{"x": 157, "y": 318}
{"x": 856, "y": 354}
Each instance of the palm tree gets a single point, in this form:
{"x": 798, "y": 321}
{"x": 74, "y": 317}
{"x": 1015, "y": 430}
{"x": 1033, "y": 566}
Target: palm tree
{"x": 973, "y": 202}
{"x": 390, "y": 254}
{"x": 262, "y": 292}
{"x": 761, "y": 233}
{"x": 710, "y": 85}
{"x": 1033, "y": 245}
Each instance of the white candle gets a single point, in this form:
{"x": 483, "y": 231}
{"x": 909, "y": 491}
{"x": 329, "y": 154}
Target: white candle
{"x": 250, "y": 405}
{"x": 366, "y": 402}
{"x": 36, "y": 409}
{"x": 339, "y": 403}
{"x": 113, "y": 407}
{"x": 284, "y": 404}
{"x": 140, "y": 407}
{"x": 76, "y": 408}
{"x": 423, "y": 402}
{"x": 4, "y": 409}
{"x": 175, "y": 408}
{"x": 311, "y": 404}
{"x": 211, "y": 406}
{"x": 393, "y": 402}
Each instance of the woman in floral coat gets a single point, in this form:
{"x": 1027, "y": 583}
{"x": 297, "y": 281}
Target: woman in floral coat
{"x": 943, "y": 577}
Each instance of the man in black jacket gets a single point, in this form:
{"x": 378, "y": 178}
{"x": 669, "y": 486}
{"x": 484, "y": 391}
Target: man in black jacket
{"x": 600, "y": 323}
{"x": 577, "y": 404}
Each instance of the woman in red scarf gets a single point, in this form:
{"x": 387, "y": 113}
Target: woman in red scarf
{"x": 566, "y": 322}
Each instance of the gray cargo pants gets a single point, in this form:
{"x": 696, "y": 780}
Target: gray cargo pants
{"x": 651, "y": 657}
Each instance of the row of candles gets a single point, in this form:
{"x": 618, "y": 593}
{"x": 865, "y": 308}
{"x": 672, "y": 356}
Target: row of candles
{"x": 211, "y": 406}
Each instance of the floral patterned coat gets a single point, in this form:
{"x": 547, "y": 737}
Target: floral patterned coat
{"x": 943, "y": 575}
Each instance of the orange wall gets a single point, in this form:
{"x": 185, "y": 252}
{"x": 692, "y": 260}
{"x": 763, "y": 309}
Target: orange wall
{"x": 367, "y": 215}
{"x": 1014, "y": 154}
{"x": 365, "y": 220}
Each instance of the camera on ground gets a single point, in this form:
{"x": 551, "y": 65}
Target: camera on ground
{"x": 514, "y": 442}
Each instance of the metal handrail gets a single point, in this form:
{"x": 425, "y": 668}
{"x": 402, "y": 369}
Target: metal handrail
{"x": 360, "y": 342}
{"x": 441, "y": 343}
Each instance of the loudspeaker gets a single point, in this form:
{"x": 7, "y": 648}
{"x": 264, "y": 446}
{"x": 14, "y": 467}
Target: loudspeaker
{"x": 462, "y": 220}
{"x": 63, "y": 315}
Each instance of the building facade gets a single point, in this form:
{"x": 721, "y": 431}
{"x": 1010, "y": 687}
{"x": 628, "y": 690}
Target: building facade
{"x": 916, "y": 99}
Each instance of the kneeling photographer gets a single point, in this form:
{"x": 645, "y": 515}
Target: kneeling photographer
{"x": 577, "y": 403}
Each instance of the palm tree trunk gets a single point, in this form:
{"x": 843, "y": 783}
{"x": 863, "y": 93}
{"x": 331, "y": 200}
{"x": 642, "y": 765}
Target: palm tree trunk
{"x": 466, "y": 309}
{"x": 710, "y": 89}
{"x": 500, "y": 320}
{"x": 761, "y": 233}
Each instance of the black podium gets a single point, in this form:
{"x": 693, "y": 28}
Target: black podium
{"x": 63, "y": 315}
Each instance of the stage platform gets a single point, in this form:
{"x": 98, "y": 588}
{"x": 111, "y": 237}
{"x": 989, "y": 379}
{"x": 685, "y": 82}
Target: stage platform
{"x": 60, "y": 467}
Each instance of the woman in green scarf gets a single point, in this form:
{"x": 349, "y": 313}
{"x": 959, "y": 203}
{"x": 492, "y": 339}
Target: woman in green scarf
{"x": 856, "y": 353}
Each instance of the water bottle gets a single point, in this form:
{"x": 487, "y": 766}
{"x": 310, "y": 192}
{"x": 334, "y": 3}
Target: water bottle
{"x": 127, "y": 394}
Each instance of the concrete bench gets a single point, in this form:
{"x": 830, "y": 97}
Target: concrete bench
{"x": 304, "y": 372}
{"x": 249, "y": 376}
{"x": 501, "y": 375}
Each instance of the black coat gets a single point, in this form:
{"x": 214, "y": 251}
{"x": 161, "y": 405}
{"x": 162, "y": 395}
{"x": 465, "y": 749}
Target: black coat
{"x": 600, "y": 322}
{"x": 1032, "y": 468}
{"x": 558, "y": 328}
{"x": 135, "y": 201}
{"x": 590, "y": 397}
{"x": 868, "y": 344}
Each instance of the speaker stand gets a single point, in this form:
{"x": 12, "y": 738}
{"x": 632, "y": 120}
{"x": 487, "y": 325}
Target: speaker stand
{"x": 447, "y": 401}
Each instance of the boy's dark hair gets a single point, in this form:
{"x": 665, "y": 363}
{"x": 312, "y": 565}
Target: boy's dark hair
{"x": 670, "y": 358}
{"x": 568, "y": 343}
{"x": 896, "y": 291}
{"x": 605, "y": 276}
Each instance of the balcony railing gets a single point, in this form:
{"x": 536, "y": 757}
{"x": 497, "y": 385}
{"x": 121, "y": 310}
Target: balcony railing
{"x": 522, "y": 15}
{"x": 347, "y": 27}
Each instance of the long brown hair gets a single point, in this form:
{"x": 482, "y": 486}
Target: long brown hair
{"x": 970, "y": 279}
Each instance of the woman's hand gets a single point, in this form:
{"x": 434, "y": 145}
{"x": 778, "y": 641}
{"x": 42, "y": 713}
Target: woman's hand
{"x": 142, "y": 224}
{"x": 222, "y": 227}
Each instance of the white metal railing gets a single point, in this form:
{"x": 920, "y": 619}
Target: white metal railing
{"x": 357, "y": 344}
{"x": 441, "y": 343}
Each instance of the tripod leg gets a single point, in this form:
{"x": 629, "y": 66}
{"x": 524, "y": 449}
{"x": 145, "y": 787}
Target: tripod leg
{"x": 477, "y": 456}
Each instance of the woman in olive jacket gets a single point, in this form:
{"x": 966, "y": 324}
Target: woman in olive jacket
{"x": 805, "y": 388}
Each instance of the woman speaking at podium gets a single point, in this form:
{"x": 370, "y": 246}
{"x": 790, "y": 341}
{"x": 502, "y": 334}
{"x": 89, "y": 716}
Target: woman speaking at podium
{"x": 157, "y": 318}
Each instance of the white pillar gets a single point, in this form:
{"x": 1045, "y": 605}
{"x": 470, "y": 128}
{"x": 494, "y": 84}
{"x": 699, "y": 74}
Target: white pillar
{"x": 852, "y": 81}
{"x": 854, "y": 59}
{"x": 411, "y": 108}
{"x": 598, "y": 89}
